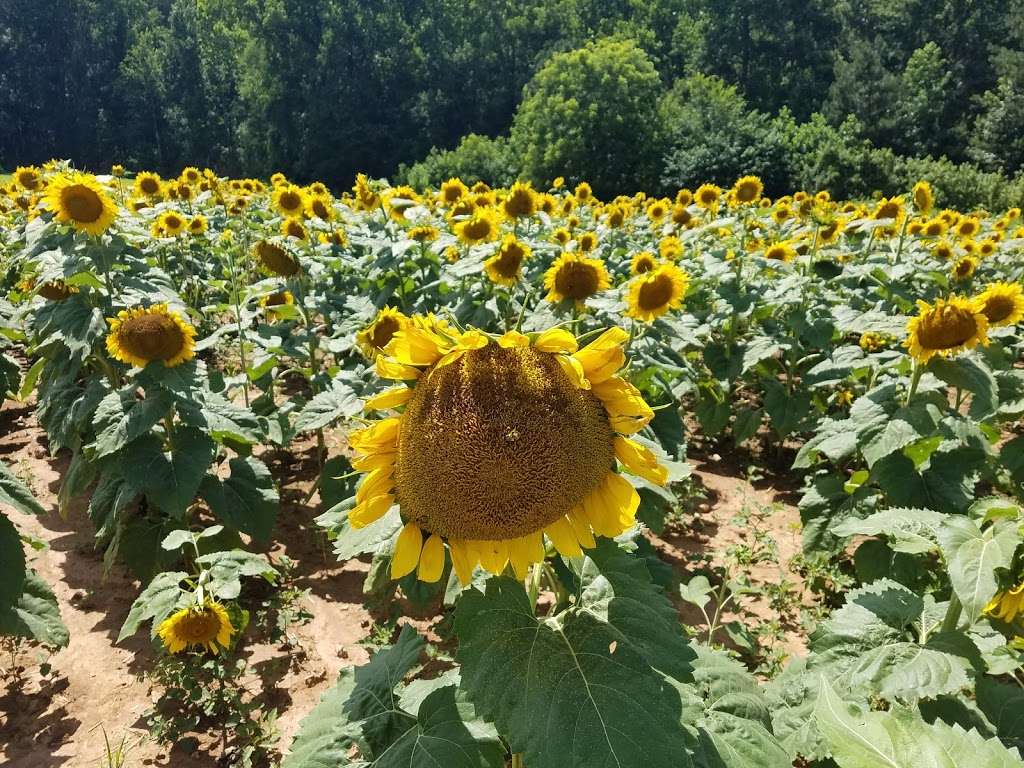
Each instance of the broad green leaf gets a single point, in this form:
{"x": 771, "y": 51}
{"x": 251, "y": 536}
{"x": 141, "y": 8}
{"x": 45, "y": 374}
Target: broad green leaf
{"x": 899, "y": 738}
{"x": 226, "y": 570}
{"x": 12, "y": 563}
{"x": 350, "y": 542}
{"x": 326, "y": 735}
{"x": 14, "y": 494}
{"x": 35, "y": 614}
{"x": 247, "y": 500}
{"x": 975, "y": 377}
{"x": 338, "y": 402}
{"x": 120, "y": 418}
{"x": 570, "y": 692}
{"x": 170, "y": 480}
{"x": 157, "y": 601}
{"x": 973, "y": 556}
{"x": 907, "y": 530}
{"x": 786, "y": 410}
{"x": 1003, "y": 705}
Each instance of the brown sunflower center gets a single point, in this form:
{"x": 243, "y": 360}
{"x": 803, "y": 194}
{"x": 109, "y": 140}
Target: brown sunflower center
{"x": 519, "y": 203}
{"x": 276, "y": 259}
{"x": 499, "y": 444}
{"x": 149, "y": 186}
{"x": 477, "y": 229}
{"x": 509, "y": 260}
{"x": 201, "y": 625}
{"x": 290, "y": 201}
{"x": 577, "y": 280}
{"x": 384, "y": 330}
{"x": 746, "y": 191}
{"x": 81, "y": 203}
{"x": 946, "y": 328}
{"x": 644, "y": 264}
{"x": 655, "y": 293}
{"x": 998, "y": 307}
{"x": 151, "y": 336}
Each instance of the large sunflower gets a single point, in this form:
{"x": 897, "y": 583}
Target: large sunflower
{"x": 141, "y": 335}
{"x": 378, "y": 334}
{"x": 655, "y": 293}
{"x": 276, "y": 259}
{"x": 481, "y": 227}
{"x": 79, "y": 200}
{"x": 748, "y": 189}
{"x": 202, "y": 626}
{"x": 500, "y": 443}
{"x": 948, "y": 327}
{"x": 506, "y": 266}
{"x": 147, "y": 184}
{"x": 289, "y": 200}
{"x": 575, "y": 277}
{"x": 1002, "y": 304}
{"x": 521, "y": 201}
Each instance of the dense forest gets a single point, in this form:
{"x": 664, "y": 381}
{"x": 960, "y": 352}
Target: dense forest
{"x": 831, "y": 93}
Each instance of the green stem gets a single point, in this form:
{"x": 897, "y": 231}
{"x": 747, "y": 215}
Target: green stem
{"x": 533, "y": 583}
{"x": 517, "y": 760}
{"x": 915, "y": 379}
{"x": 241, "y": 329}
{"x": 952, "y": 617}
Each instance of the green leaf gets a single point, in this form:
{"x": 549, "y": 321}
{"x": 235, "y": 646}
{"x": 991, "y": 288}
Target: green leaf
{"x": 14, "y": 494}
{"x": 226, "y": 570}
{"x": 907, "y": 530}
{"x": 326, "y": 735}
{"x": 225, "y": 421}
{"x": 247, "y": 501}
{"x": 901, "y": 739}
{"x": 973, "y": 376}
{"x": 1003, "y": 705}
{"x": 338, "y": 402}
{"x": 569, "y": 692}
{"x": 351, "y": 542}
{"x": 787, "y": 410}
{"x": 169, "y": 480}
{"x": 157, "y": 601}
{"x": 35, "y": 615}
{"x": 973, "y": 557}
{"x": 120, "y": 418}
{"x": 12, "y": 564}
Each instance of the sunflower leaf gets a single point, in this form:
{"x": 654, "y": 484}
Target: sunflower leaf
{"x": 247, "y": 500}
{"x": 973, "y": 557}
{"x": 338, "y": 402}
{"x": 156, "y": 602}
{"x": 34, "y": 614}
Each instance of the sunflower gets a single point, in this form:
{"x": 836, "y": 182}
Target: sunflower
{"x": 642, "y": 262}
{"x": 561, "y": 236}
{"x": 147, "y": 184}
{"x": 276, "y": 259}
{"x": 399, "y": 200}
{"x": 79, "y": 200}
{"x": 117, "y": 170}
{"x": 28, "y": 177}
{"x": 964, "y": 268}
{"x": 948, "y": 327}
{"x": 780, "y": 252}
{"x": 191, "y": 175}
{"x": 424, "y": 234}
{"x": 670, "y": 247}
{"x": 202, "y": 626}
{"x": 320, "y": 207}
{"x": 583, "y": 192}
{"x": 501, "y": 443}
{"x": 198, "y": 225}
{"x": 889, "y": 209}
{"x": 289, "y": 200}
{"x": 586, "y": 242}
{"x": 276, "y": 299}
{"x": 520, "y": 202}
{"x": 1007, "y": 604}
{"x": 968, "y": 227}
{"x": 506, "y": 266}
{"x": 987, "y": 247}
{"x": 172, "y": 223}
{"x": 575, "y": 277}
{"x": 935, "y": 227}
{"x": 829, "y": 232}
{"x": 923, "y": 197}
{"x": 374, "y": 337}
{"x": 657, "y": 210}
{"x": 872, "y": 341}
{"x": 707, "y": 197}
{"x": 481, "y": 227}
{"x": 684, "y": 197}
{"x": 1002, "y": 304}
{"x": 942, "y": 250}
{"x": 319, "y": 189}
{"x": 748, "y": 189}
{"x": 141, "y": 335}
{"x": 277, "y": 179}
{"x": 56, "y": 290}
{"x": 655, "y": 293}
{"x": 615, "y": 216}
{"x": 294, "y": 228}
{"x": 452, "y": 191}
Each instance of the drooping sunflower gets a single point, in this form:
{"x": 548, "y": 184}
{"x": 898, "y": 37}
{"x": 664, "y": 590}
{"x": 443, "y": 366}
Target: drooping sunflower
{"x": 482, "y": 227}
{"x": 655, "y": 293}
{"x": 575, "y": 277}
{"x": 197, "y": 626}
{"x": 889, "y": 208}
{"x": 642, "y": 262}
{"x": 520, "y": 202}
{"x": 1007, "y": 604}
{"x": 1002, "y": 304}
{"x": 505, "y": 267}
{"x": 378, "y": 334}
{"x": 964, "y": 268}
{"x": 950, "y": 326}
{"x": 277, "y": 299}
{"x": 141, "y": 335}
{"x": 289, "y": 200}
{"x": 56, "y": 290}
{"x": 748, "y": 189}
{"x": 424, "y": 234}
{"x": 500, "y": 443}
{"x": 923, "y": 197}
{"x": 147, "y": 184}
{"x": 172, "y": 223}
{"x": 79, "y": 200}
{"x": 276, "y": 259}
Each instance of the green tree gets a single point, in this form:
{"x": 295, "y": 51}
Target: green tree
{"x": 924, "y": 108}
{"x": 997, "y": 141}
{"x": 592, "y": 114}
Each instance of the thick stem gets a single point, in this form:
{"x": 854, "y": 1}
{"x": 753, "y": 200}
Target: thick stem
{"x": 915, "y": 379}
{"x": 952, "y": 617}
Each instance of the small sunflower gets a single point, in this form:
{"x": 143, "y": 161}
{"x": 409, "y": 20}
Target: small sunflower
{"x": 1002, "y": 304}
{"x": 320, "y": 207}
{"x": 424, "y": 234}
{"x": 575, "y": 277}
{"x": 583, "y": 192}
{"x": 748, "y": 189}
{"x": 56, "y": 290}
{"x": 79, "y": 200}
{"x": 276, "y": 299}
{"x": 520, "y": 202}
{"x": 276, "y": 259}
{"x": 142, "y": 335}
{"x": 657, "y": 210}
{"x": 780, "y": 252}
{"x": 191, "y": 175}
{"x": 923, "y": 197}
{"x": 198, "y": 225}
{"x": 889, "y": 209}
{"x": 294, "y": 228}
{"x": 950, "y": 326}
{"x": 374, "y": 337}
{"x": 935, "y": 227}
{"x": 148, "y": 184}
{"x": 452, "y": 191}
{"x": 506, "y": 266}
{"x": 586, "y": 242}
{"x": 684, "y": 197}
{"x": 708, "y": 196}
{"x": 500, "y": 444}
{"x": 642, "y": 262}
{"x": 482, "y": 227}
{"x": 967, "y": 227}
{"x": 670, "y": 247}
{"x": 289, "y": 200}
{"x": 964, "y": 268}
{"x": 28, "y": 177}
{"x": 172, "y": 223}
{"x": 198, "y": 626}
{"x": 652, "y": 295}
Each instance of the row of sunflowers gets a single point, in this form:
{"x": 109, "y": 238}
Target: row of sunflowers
{"x": 500, "y": 388}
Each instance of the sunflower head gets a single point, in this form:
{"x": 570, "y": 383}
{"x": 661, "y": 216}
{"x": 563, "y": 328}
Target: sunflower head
{"x": 586, "y": 242}
{"x": 708, "y": 196}
{"x": 28, "y": 177}
{"x": 424, "y": 234}
{"x": 945, "y": 328}
{"x": 500, "y": 443}
{"x": 615, "y": 216}
{"x": 748, "y": 189}
{"x": 378, "y": 334}
{"x": 452, "y": 191}
{"x": 294, "y": 228}
{"x": 205, "y": 626}
{"x": 642, "y": 262}
{"x": 1007, "y": 603}
{"x": 148, "y": 184}
{"x": 968, "y": 226}
{"x": 56, "y": 290}
{"x": 583, "y": 192}
{"x": 275, "y": 259}
{"x": 964, "y": 268}
{"x": 889, "y": 209}
{"x": 782, "y": 251}
{"x": 506, "y": 266}
{"x": 520, "y": 202}
{"x": 656, "y": 292}
{"x": 482, "y": 227}
{"x": 272, "y": 301}
{"x": 576, "y": 278}
{"x": 79, "y": 200}
{"x": 289, "y": 200}
{"x": 172, "y": 223}
{"x": 657, "y": 210}
{"x": 143, "y": 335}
{"x": 923, "y": 197}
{"x": 1002, "y": 304}
{"x": 319, "y": 206}
{"x": 198, "y": 225}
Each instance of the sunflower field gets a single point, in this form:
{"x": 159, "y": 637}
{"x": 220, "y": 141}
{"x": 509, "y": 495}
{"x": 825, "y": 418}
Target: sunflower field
{"x": 497, "y": 395}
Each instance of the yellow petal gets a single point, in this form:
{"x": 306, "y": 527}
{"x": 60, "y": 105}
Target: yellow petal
{"x": 556, "y": 340}
{"x": 513, "y": 339}
{"x": 564, "y": 538}
{"x": 370, "y": 511}
{"x": 603, "y": 356}
{"x": 431, "y": 560}
{"x": 374, "y": 461}
{"x": 600, "y": 515}
{"x": 573, "y": 370}
{"x": 473, "y": 340}
{"x": 392, "y": 369}
{"x": 407, "y": 551}
{"x": 493, "y": 555}
{"x": 389, "y": 398}
{"x": 581, "y": 527}
{"x": 640, "y": 460}
{"x": 416, "y": 346}
{"x": 381, "y": 437}
{"x": 622, "y": 499}
{"x": 374, "y": 484}
{"x": 627, "y": 410}
{"x": 525, "y": 551}
{"x": 463, "y": 560}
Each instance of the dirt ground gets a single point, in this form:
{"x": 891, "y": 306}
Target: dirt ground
{"x": 56, "y": 710}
